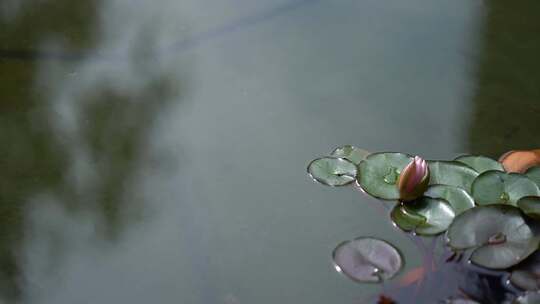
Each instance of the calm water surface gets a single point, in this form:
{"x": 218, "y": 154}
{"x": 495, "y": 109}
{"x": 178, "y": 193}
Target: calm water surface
{"x": 155, "y": 151}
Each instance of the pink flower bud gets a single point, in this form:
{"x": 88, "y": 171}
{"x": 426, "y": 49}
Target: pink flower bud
{"x": 413, "y": 180}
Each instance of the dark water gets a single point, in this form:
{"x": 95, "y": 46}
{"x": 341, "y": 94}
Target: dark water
{"x": 154, "y": 151}
{"x": 450, "y": 276}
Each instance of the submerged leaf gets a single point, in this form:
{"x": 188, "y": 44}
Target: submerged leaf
{"x": 499, "y": 234}
{"x": 332, "y": 171}
{"x": 458, "y": 198}
{"x": 480, "y": 164}
{"x": 352, "y": 153}
{"x": 530, "y": 205}
{"x": 425, "y": 216}
{"x": 367, "y": 260}
{"x": 385, "y": 300}
{"x": 520, "y": 161}
{"x": 379, "y": 174}
{"x": 526, "y": 275}
{"x": 451, "y": 173}
{"x": 460, "y": 301}
{"x": 412, "y": 276}
{"x": 528, "y": 298}
{"x": 496, "y": 187}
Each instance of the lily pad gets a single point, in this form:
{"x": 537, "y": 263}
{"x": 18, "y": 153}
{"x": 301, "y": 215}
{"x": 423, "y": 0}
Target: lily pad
{"x": 528, "y": 298}
{"x": 526, "y": 275}
{"x": 451, "y": 173}
{"x": 367, "y": 260}
{"x": 458, "y": 198}
{"x": 352, "y": 153}
{"x": 480, "y": 164}
{"x": 520, "y": 161}
{"x": 499, "y": 235}
{"x": 405, "y": 219}
{"x": 496, "y": 187}
{"x": 379, "y": 174}
{"x": 425, "y": 216}
{"x": 530, "y": 205}
{"x": 534, "y": 174}
{"x": 332, "y": 171}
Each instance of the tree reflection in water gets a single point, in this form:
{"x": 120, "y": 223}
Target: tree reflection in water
{"x": 506, "y": 103}
{"x": 73, "y": 129}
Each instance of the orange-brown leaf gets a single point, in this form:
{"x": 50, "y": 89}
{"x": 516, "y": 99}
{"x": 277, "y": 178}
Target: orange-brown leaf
{"x": 519, "y": 161}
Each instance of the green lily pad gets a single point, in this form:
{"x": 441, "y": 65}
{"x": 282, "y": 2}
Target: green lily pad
{"x": 352, "y": 153}
{"x": 526, "y": 275}
{"x": 458, "y": 198}
{"x": 530, "y": 205}
{"x": 480, "y": 164}
{"x": 534, "y": 174}
{"x": 496, "y": 187}
{"x": 405, "y": 219}
{"x": 379, "y": 174}
{"x": 528, "y": 298}
{"x": 425, "y": 216}
{"x": 332, "y": 171}
{"x": 367, "y": 260}
{"x": 451, "y": 173}
{"x": 499, "y": 234}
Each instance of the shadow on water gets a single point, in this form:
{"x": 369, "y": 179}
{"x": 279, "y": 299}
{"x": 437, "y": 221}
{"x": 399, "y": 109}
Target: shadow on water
{"x": 507, "y": 97}
{"x": 68, "y": 130}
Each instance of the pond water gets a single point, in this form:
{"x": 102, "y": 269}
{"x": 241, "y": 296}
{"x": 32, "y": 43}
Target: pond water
{"x": 155, "y": 151}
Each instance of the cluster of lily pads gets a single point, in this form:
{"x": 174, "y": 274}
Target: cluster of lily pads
{"x": 488, "y": 208}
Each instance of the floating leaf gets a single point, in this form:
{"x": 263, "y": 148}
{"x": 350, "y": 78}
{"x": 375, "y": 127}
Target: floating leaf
{"x": 332, "y": 171}
{"x": 499, "y": 234}
{"x": 352, "y": 153}
{"x": 405, "y": 219}
{"x": 367, "y": 260}
{"x": 496, "y": 187}
{"x": 480, "y": 164}
{"x": 526, "y": 275}
{"x": 458, "y": 198}
{"x": 379, "y": 174}
{"x": 530, "y": 205}
{"x": 534, "y": 174}
{"x": 528, "y": 298}
{"x": 451, "y": 173}
{"x": 425, "y": 216}
{"x": 520, "y": 161}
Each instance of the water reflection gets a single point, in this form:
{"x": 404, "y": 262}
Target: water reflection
{"x": 506, "y": 101}
{"x": 137, "y": 169}
{"x": 33, "y": 160}
{"x": 74, "y": 134}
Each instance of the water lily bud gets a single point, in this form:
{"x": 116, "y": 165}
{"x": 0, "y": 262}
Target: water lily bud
{"x": 413, "y": 180}
{"x": 520, "y": 161}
